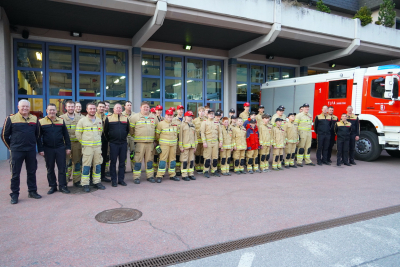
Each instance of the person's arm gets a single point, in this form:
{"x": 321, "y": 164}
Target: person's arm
{"x": 357, "y": 127}
{"x": 180, "y": 137}
{"x": 220, "y": 136}
{"x": 40, "y": 140}
{"x": 335, "y": 128}
{"x": 67, "y": 141}
{"x": 203, "y": 133}
{"x": 248, "y": 139}
{"x": 316, "y": 124}
{"x": 6, "y": 133}
{"x": 79, "y": 130}
{"x": 106, "y": 129}
{"x": 132, "y": 122}
{"x": 158, "y": 132}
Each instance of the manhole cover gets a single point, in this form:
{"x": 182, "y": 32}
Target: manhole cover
{"x": 120, "y": 215}
{"x": 79, "y": 190}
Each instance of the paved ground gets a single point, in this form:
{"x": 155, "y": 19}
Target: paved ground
{"x": 60, "y": 230}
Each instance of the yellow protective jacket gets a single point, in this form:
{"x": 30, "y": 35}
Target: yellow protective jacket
{"x": 244, "y": 115}
{"x": 227, "y": 134}
{"x": 187, "y": 136}
{"x": 143, "y": 127}
{"x": 211, "y": 131}
{"x": 197, "y": 123}
{"x": 167, "y": 133}
{"x": 102, "y": 117}
{"x": 259, "y": 118}
{"x": 292, "y": 135}
{"x": 279, "y": 137}
{"x": 89, "y": 133}
{"x": 128, "y": 115}
{"x": 303, "y": 121}
{"x": 71, "y": 125}
{"x": 283, "y": 117}
{"x": 239, "y": 138}
{"x": 265, "y": 132}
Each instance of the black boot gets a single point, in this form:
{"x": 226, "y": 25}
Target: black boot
{"x": 14, "y": 199}
{"x": 104, "y": 179}
{"x": 114, "y": 183}
{"x": 34, "y": 195}
{"x": 77, "y": 184}
{"x": 86, "y": 188}
{"x": 136, "y": 181}
{"x": 151, "y": 180}
{"x": 192, "y": 177}
{"x": 174, "y": 178}
{"x": 217, "y": 174}
{"x": 64, "y": 189}
{"x": 52, "y": 190}
{"x": 207, "y": 174}
{"x": 186, "y": 178}
{"x": 100, "y": 186}
{"x": 122, "y": 183}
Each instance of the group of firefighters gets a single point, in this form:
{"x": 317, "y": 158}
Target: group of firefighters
{"x": 83, "y": 146}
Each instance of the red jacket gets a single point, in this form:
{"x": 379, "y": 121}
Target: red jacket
{"x": 252, "y": 138}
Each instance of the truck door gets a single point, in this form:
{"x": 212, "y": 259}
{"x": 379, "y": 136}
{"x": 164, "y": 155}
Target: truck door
{"x": 339, "y": 95}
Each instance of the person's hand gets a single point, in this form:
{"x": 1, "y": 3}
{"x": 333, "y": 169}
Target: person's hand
{"x": 194, "y": 150}
{"x": 68, "y": 151}
{"x": 222, "y": 149}
{"x": 357, "y": 138}
{"x": 205, "y": 145}
{"x": 234, "y": 148}
{"x": 220, "y": 145}
{"x": 297, "y": 143}
{"x": 261, "y": 147}
{"x": 41, "y": 154}
{"x": 182, "y": 150}
{"x": 231, "y": 149}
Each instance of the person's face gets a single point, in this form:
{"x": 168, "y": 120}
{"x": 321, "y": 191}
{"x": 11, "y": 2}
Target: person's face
{"x": 291, "y": 117}
{"x": 158, "y": 112}
{"x": 349, "y": 110}
{"x": 252, "y": 125}
{"x": 189, "y": 118}
{"x": 107, "y": 106}
{"x": 261, "y": 110}
{"x": 202, "y": 113}
{"x": 180, "y": 112}
{"x": 168, "y": 117}
{"x": 24, "y": 108}
{"x": 210, "y": 115}
{"x": 265, "y": 120}
{"x": 51, "y": 111}
{"x": 252, "y": 116}
{"x": 217, "y": 118}
{"x": 145, "y": 109}
{"x": 91, "y": 110}
{"x": 225, "y": 123}
{"x": 344, "y": 117}
{"x": 301, "y": 110}
{"x": 278, "y": 123}
{"x": 128, "y": 106}
{"x": 70, "y": 108}
{"x": 306, "y": 109}
{"x": 101, "y": 108}
{"x": 330, "y": 111}
{"x": 206, "y": 111}
{"x": 246, "y": 108}
{"x": 231, "y": 114}
{"x": 239, "y": 122}
{"x": 324, "y": 109}
{"x": 117, "y": 109}
{"x": 78, "y": 107}
{"x": 279, "y": 112}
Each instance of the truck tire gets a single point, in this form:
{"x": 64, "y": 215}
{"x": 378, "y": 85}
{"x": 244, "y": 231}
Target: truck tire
{"x": 367, "y": 147}
{"x": 393, "y": 153}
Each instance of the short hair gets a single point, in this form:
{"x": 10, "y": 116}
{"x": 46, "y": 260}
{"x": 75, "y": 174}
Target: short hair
{"x": 325, "y": 106}
{"x": 52, "y": 105}
{"x": 101, "y": 102}
{"x": 24, "y": 101}
{"x": 128, "y": 102}
{"x": 106, "y": 101}
{"x": 70, "y": 102}
{"x": 349, "y": 106}
{"x": 77, "y": 102}
{"x": 207, "y": 107}
{"x": 331, "y": 107}
{"x": 344, "y": 114}
{"x": 144, "y": 103}
{"x": 89, "y": 104}
{"x": 225, "y": 119}
{"x": 240, "y": 118}
{"x": 200, "y": 108}
{"x": 265, "y": 116}
{"x": 117, "y": 104}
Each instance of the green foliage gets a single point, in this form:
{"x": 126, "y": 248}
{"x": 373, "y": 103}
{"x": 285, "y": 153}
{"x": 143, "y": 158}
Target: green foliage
{"x": 322, "y": 7}
{"x": 387, "y": 14}
{"x": 365, "y": 15}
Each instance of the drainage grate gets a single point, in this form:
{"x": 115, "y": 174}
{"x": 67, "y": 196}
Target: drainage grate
{"x": 198, "y": 253}
{"x": 79, "y": 190}
{"x": 120, "y": 215}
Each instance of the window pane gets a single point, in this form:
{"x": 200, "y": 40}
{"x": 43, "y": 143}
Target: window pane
{"x": 115, "y": 61}
{"x": 30, "y": 82}
{"x": 214, "y": 106}
{"x": 60, "y": 84}
{"x": 173, "y": 66}
{"x": 241, "y": 72}
{"x": 255, "y": 93}
{"x": 287, "y": 73}
{"x": 151, "y": 88}
{"x": 239, "y": 109}
{"x": 193, "y": 106}
{"x": 60, "y": 105}
{"x": 194, "y": 68}
{"x": 171, "y": 104}
{"x": 214, "y": 70}
{"x": 241, "y": 92}
{"x": 378, "y": 88}
{"x": 173, "y": 89}
{"x": 257, "y": 74}
{"x": 273, "y": 74}
{"x": 194, "y": 90}
{"x": 153, "y": 104}
{"x": 115, "y": 86}
{"x": 29, "y": 55}
{"x": 60, "y": 57}
{"x": 36, "y": 106}
{"x": 89, "y": 59}
{"x": 254, "y": 107}
{"x": 86, "y": 101}
{"x": 338, "y": 89}
{"x": 214, "y": 91}
{"x": 89, "y": 85}
{"x": 151, "y": 65}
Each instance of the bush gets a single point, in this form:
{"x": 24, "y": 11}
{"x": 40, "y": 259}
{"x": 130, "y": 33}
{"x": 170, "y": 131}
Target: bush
{"x": 322, "y": 7}
{"x": 365, "y": 15}
{"x": 387, "y": 14}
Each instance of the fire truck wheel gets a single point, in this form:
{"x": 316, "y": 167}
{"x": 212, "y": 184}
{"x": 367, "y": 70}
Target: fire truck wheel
{"x": 393, "y": 153}
{"x": 367, "y": 147}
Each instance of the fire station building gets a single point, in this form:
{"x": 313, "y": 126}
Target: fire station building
{"x": 172, "y": 52}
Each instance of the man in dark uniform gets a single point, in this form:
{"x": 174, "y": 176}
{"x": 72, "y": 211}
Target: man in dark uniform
{"x": 322, "y": 127}
{"x": 20, "y": 134}
{"x": 54, "y": 144}
{"x": 116, "y": 130}
{"x": 343, "y": 130}
{"x": 333, "y": 135}
{"x": 355, "y": 133}
{"x": 101, "y": 106}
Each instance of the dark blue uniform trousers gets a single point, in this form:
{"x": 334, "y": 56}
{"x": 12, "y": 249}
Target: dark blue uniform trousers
{"x": 54, "y": 156}
{"x": 16, "y": 160}
{"x": 117, "y": 151}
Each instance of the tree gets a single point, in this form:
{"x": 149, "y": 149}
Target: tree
{"x": 365, "y": 15}
{"x": 322, "y": 7}
{"x": 387, "y": 14}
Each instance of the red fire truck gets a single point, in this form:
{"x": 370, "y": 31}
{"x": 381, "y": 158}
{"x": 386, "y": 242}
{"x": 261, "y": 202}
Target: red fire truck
{"x": 372, "y": 92}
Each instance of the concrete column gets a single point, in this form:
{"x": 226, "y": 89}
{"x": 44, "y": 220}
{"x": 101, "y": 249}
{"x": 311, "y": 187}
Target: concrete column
{"x": 303, "y": 71}
{"x": 6, "y": 89}
{"x": 136, "y": 90}
{"x": 231, "y": 94}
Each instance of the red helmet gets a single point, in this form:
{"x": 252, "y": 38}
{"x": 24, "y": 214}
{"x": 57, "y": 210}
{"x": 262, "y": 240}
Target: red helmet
{"x": 189, "y": 113}
{"x": 159, "y": 107}
{"x": 247, "y": 104}
{"x": 172, "y": 108}
{"x": 169, "y": 112}
{"x": 153, "y": 110}
{"x": 179, "y": 107}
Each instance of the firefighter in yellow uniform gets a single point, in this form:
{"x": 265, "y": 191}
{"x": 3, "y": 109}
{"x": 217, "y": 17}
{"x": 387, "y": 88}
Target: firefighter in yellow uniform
{"x": 232, "y": 123}
{"x": 143, "y": 126}
{"x": 187, "y": 145}
{"x": 304, "y": 122}
{"x": 167, "y": 136}
{"x": 246, "y": 113}
{"x": 178, "y": 120}
{"x": 279, "y": 114}
{"x": 211, "y": 136}
{"x": 131, "y": 144}
{"x": 88, "y": 132}
{"x": 278, "y": 144}
{"x": 259, "y": 115}
{"x": 199, "y": 150}
{"x": 74, "y": 160}
{"x": 265, "y": 131}
{"x": 239, "y": 146}
{"x": 227, "y": 146}
{"x": 292, "y": 139}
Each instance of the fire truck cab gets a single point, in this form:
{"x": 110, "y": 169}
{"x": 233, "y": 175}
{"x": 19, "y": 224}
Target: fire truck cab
{"x": 372, "y": 92}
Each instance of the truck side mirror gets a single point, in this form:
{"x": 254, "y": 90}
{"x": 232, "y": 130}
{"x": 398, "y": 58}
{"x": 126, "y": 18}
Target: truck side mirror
{"x": 388, "y": 87}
